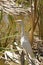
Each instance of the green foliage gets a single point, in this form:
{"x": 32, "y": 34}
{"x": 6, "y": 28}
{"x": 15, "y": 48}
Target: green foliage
{"x": 1, "y": 48}
{"x": 41, "y": 2}
{"x": 11, "y": 19}
{"x": 1, "y": 15}
{"x": 26, "y": 3}
{"x": 20, "y": 1}
{"x": 16, "y": 32}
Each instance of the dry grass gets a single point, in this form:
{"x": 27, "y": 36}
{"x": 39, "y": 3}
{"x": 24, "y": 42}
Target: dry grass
{"x": 2, "y": 62}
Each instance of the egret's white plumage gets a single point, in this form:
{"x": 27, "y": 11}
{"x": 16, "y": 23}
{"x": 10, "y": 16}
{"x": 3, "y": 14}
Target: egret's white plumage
{"x": 27, "y": 46}
{"x": 24, "y": 40}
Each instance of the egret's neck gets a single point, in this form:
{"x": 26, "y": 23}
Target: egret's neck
{"x": 22, "y": 29}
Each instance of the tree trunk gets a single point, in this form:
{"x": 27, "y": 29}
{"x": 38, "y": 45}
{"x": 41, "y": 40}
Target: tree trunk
{"x": 41, "y": 19}
{"x": 33, "y": 18}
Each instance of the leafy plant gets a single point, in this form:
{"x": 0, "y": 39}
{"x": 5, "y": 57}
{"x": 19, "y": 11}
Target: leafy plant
{"x": 1, "y": 48}
{"x": 11, "y": 19}
{"x": 1, "y": 15}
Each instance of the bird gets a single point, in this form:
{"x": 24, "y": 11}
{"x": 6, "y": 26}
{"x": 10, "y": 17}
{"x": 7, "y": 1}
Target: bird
{"x": 24, "y": 40}
{"x": 26, "y": 44}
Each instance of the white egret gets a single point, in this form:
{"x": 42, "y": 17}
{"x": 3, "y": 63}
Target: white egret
{"x": 24, "y": 40}
{"x": 26, "y": 44}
